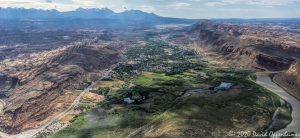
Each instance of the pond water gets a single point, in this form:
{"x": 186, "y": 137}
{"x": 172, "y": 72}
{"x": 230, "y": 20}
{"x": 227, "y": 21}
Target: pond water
{"x": 222, "y": 86}
{"x": 199, "y": 90}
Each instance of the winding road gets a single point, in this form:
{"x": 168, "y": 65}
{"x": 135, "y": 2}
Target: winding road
{"x": 32, "y": 132}
{"x": 265, "y": 81}
{"x": 2, "y": 104}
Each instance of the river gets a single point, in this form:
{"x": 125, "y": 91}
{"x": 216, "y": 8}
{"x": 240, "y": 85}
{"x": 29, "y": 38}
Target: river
{"x": 264, "y": 80}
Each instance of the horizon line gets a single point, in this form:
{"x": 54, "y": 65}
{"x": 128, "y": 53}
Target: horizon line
{"x": 106, "y": 8}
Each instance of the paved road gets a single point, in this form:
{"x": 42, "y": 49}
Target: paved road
{"x": 2, "y": 104}
{"x": 30, "y": 133}
{"x": 264, "y": 80}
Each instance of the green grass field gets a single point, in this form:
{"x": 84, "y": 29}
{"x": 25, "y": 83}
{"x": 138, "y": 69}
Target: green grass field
{"x": 150, "y": 78}
{"x": 165, "y": 108}
{"x": 251, "y": 105}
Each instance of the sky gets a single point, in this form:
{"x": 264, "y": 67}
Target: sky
{"x": 194, "y": 9}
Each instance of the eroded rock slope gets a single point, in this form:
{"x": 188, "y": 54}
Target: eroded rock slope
{"x": 43, "y": 79}
{"x": 249, "y": 46}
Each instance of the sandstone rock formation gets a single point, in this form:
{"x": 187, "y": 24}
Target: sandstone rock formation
{"x": 6, "y": 84}
{"x": 43, "y": 78}
{"x": 247, "y": 46}
{"x": 290, "y": 79}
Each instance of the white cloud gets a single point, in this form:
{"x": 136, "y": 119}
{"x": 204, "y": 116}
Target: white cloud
{"x": 49, "y": 1}
{"x": 270, "y": 2}
{"x": 38, "y": 4}
{"x": 147, "y": 8}
{"x": 215, "y": 4}
{"x": 31, "y": 4}
{"x": 251, "y": 2}
{"x": 180, "y": 5}
{"x": 195, "y": 0}
{"x": 64, "y": 5}
{"x": 85, "y": 2}
{"x": 202, "y": 8}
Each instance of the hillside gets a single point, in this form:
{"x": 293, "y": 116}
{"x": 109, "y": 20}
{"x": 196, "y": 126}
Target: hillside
{"x": 248, "y": 46}
{"x": 290, "y": 79}
{"x": 46, "y": 81}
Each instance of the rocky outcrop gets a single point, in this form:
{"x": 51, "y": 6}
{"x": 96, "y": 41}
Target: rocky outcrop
{"x": 34, "y": 100}
{"x": 273, "y": 62}
{"x": 248, "y": 47}
{"x": 290, "y": 79}
{"x": 89, "y": 58}
{"x": 7, "y": 83}
{"x": 44, "y": 77}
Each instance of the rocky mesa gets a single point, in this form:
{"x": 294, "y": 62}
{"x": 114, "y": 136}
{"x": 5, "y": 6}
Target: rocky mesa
{"x": 248, "y": 46}
{"x": 42, "y": 79}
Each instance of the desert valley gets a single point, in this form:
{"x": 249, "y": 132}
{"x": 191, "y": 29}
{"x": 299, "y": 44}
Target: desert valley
{"x": 97, "y": 73}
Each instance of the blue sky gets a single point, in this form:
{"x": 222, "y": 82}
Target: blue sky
{"x": 176, "y": 8}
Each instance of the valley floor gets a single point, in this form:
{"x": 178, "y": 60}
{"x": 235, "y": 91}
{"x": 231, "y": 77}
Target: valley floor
{"x": 157, "y": 79}
{"x": 151, "y": 93}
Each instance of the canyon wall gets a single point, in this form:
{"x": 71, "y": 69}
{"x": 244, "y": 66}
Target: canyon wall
{"x": 247, "y": 46}
{"x": 44, "y": 78}
{"x": 290, "y": 79}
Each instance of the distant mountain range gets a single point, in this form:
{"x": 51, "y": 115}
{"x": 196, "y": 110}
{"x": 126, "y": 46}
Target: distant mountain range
{"x": 94, "y": 18}
{"x": 34, "y": 14}
{"x": 86, "y": 17}
{"x": 258, "y": 20}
